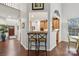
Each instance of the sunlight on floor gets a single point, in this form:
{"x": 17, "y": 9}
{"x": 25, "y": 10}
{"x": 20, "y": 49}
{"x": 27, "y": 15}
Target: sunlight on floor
{"x": 11, "y": 48}
{"x": 72, "y": 50}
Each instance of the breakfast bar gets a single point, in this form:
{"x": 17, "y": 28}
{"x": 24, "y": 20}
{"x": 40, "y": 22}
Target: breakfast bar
{"x": 37, "y": 41}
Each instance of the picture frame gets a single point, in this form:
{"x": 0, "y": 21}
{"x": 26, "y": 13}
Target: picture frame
{"x": 37, "y": 6}
{"x": 17, "y": 27}
{"x": 33, "y": 27}
{"x": 23, "y": 25}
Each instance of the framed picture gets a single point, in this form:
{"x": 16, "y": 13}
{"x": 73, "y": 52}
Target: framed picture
{"x": 23, "y": 25}
{"x": 37, "y": 6}
{"x": 33, "y": 27}
{"x": 17, "y": 27}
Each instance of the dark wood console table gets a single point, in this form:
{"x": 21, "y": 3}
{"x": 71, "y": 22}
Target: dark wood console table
{"x": 35, "y": 40}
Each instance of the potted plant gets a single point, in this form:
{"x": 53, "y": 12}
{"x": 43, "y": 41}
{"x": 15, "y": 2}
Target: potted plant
{"x": 3, "y": 30}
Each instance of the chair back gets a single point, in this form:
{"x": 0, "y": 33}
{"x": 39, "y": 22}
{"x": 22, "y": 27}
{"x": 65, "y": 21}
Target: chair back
{"x": 68, "y": 38}
{"x": 78, "y": 42}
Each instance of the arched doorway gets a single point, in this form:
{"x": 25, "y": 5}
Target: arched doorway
{"x": 56, "y": 26}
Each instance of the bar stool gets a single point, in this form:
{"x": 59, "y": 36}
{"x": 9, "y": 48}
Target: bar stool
{"x": 42, "y": 38}
{"x": 32, "y": 37}
{"x": 78, "y": 44}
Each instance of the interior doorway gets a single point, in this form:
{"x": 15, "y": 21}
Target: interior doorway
{"x": 56, "y": 26}
{"x": 11, "y": 30}
{"x": 38, "y": 21}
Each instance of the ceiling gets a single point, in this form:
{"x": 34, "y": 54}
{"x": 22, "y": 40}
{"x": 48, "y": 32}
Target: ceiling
{"x": 19, "y": 6}
{"x": 12, "y": 10}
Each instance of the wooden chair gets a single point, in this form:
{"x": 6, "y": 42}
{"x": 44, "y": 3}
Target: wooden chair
{"x": 69, "y": 42}
{"x": 78, "y": 42}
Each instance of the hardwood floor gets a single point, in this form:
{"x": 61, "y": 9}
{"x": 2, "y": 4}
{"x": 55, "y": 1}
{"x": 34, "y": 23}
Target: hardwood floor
{"x": 13, "y": 48}
{"x": 62, "y": 50}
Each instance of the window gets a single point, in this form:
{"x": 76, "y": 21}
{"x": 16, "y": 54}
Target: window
{"x": 73, "y": 26}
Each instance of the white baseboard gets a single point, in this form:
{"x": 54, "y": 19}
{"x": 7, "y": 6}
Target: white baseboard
{"x": 12, "y": 37}
{"x": 51, "y": 48}
{"x": 24, "y": 46}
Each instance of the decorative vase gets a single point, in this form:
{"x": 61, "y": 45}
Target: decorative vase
{"x": 3, "y": 36}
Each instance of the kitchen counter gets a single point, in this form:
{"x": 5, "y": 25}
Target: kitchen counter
{"x": 37, "y": 32}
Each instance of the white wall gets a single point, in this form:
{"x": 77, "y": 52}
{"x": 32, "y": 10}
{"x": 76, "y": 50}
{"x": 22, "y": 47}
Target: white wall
{"x": 54, "y": 6}
{"x": 36, "y": 17}
{"x": 23, "y": 31}
{"x": 70, "y": 10}
{"x": 36, "y": 24}
{"x": 2, "y": 20}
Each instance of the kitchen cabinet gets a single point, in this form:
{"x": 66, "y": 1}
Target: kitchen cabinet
{"x": 55, "y": 23}
{"x": 43, "y": 25}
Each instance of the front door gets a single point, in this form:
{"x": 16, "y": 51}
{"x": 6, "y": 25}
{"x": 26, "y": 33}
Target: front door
{"x": 11, "y": 30}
